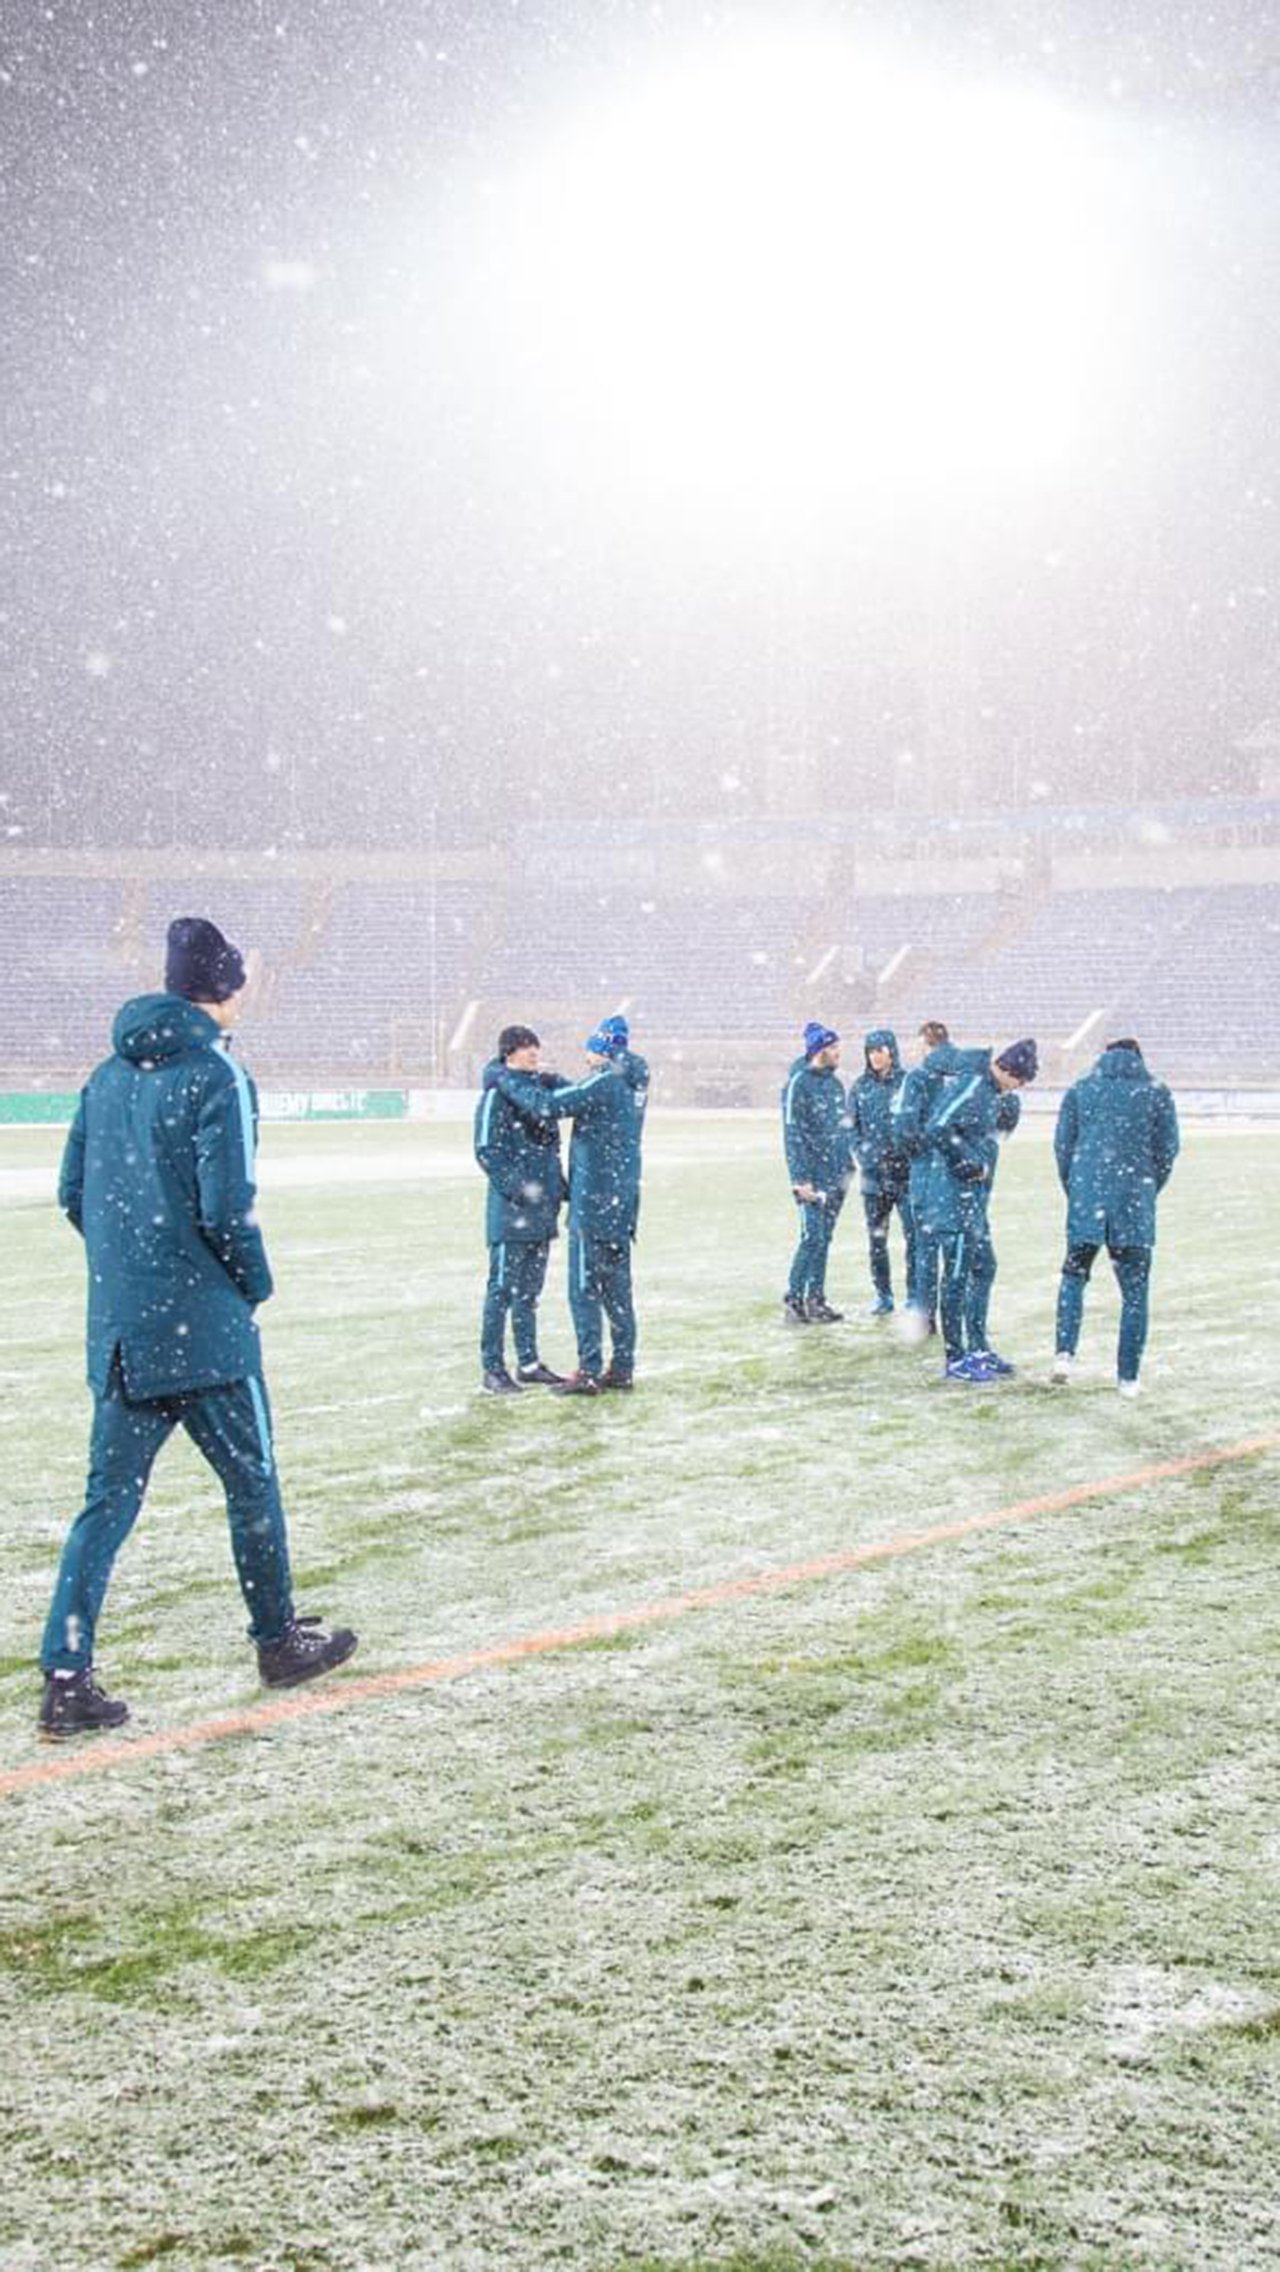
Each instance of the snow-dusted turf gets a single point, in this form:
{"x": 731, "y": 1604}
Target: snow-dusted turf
{"x": 923, "y": 1915}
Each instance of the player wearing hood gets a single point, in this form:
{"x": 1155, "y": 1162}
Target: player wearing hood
{"x": 884, "y": 1168}
{"x": 963, "y": 1137}
{"x": 815, "y": 1135}
{"x": 911, "y": 1106}
{"x": 1115, "y": 1143}
{"x": 159, "y": 1177}
{"x": 607, "y": 1110}
{"x": 521, "y": 1159}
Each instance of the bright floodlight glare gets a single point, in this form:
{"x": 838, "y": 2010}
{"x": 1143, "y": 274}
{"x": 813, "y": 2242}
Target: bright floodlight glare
{"x": 792, "y": 269}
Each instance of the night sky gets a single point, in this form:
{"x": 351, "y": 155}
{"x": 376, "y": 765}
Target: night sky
{"x": 309, "y": 537}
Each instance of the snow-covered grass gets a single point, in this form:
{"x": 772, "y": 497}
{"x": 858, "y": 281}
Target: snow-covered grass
{"x": 922, "y": 1915}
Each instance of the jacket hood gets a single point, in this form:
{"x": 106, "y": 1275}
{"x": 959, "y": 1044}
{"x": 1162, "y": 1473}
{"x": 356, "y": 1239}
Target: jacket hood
{"x": 946, "y": 1058}
{"x": 1122, "y": 1065}
{"x": 819, "y": 1072}
{"x": 489, "y": 1077}
{"x": 152, "y": 1028}
{"x": 634, "y": 1069}
{"x": 882, "y": 1037}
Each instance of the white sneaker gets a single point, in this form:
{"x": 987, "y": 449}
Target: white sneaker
{"x": 1062, "y": 1364}
{"x": 1129, "y": 1388}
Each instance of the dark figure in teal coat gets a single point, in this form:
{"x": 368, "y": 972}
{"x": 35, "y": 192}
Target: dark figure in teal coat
{"x": 521, "y": 1158}
{"x": 607, "y": 1110}
{"x": 883, "y": 1166}
{"x": 815, "y": 1138}
{"x": 963, "y": 1140}
{"x": 912, "y": 1105}
{"x": 159, "y": 1178}
{"x": 1115, "y": 1144}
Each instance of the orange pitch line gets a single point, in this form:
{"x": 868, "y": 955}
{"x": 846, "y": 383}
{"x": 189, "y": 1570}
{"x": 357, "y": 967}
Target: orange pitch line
{"x": 104, "y": 1758}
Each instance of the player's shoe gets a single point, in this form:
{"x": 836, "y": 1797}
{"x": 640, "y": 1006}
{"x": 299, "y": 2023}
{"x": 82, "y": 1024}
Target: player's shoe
{"x": 1129, "y": 1388}
{"x": 818, "y": 1310}
{"x": 74, "y": 1705}
{"x": 499, "y": 1383}
{"x": 972, "y": 1368}
{"x": 1060, "y": 1370}
{"x": 578, "y": 1384}
{"x": 795, "y": 1311}
{"x": 538, "y": 1375}
{"x": 612, "y": 1378}
{"x": 992, "y": 1363}
{"x": 882, "y": 1306}
{"x": 303, "y": 1651}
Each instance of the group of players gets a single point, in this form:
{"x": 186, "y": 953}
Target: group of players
{"x": 925, "y": 1142}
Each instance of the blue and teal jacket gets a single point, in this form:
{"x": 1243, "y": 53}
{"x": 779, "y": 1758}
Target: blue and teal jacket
{"x": 962, "y": 1139}
{"x": 1116, "y": 1141}
{"x": 607, "y": 1110}
{"x": 159, "y": 1177}
{"x": 873, "y": 1131}
{"x": 914, "y": 1100}
{"x": 520, "y": 1156}
{"x": 815, "y": 1128}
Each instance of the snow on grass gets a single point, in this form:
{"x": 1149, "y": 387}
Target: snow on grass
{"x": 923, "y": 1916}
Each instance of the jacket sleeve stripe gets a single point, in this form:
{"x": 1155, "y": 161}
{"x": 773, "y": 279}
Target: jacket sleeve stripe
{"x": 246, "y": 1116}
{"x": 948, "y": 1110}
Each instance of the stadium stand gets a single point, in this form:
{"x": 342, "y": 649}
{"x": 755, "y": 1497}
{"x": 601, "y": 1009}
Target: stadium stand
{"x": 366, "y": 977}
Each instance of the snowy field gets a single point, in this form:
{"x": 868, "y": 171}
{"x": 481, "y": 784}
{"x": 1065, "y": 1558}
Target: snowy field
{"x": 918, "y": 1913}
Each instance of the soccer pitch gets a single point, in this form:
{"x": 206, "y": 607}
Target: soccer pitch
{"x": 914, "y": 1911}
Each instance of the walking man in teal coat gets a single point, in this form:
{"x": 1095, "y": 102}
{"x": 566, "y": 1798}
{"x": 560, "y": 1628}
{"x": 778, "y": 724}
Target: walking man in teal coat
{"x": 1115, "y": 1144}
{"x": 912, "y": 1105}
{"x": 521, "y": 1158}
{"x": 607, "y": 1110}
{"x": 815, "y": 1137}
{"x": 159, "y": 1178}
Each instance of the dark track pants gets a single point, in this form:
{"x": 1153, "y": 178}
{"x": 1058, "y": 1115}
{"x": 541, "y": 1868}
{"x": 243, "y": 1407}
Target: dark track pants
{"x": 878, "y": 1208}
{"x": 231, "y": 1426}
{"x": 517, "y": 1275}
{"x": 1132, "y": 1266}
{"x": 923, "y": 1256}
{"x": 600, "y": 1288}
{"x": 818, "y": 1219}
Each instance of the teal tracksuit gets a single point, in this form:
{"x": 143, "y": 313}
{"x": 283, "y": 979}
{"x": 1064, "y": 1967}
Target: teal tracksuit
{"x": 1115, "y": 1143}
{"x": 607, "y": 1110}
{"x": 159, "y": 1177}
{"x": 962, "y": 1141}
{"x": 815, "y": 1138}
{"x": 911, "y": 1108}
{"x": 520, "y": 1156}
{"x": 883, "y": 1166}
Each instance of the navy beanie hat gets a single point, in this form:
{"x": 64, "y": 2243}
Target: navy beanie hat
{"x": 1020, "y": 1059}
{"x": 512, "y": 1038}
{"x": 818, "y": 1037}
{"x": 200, "y": 963}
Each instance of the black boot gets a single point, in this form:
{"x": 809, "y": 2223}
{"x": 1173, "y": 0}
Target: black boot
{"x": 499, "y": 1383}
{"x": 578, "y": 1384}
{"x": 74, "y": 1705}
{"x": 820, "y": 1312}
{"x": 795, "y": 1310}
{"x": 612, "y": 1378}
{"x": 303, "y": 1651}
{"x": 538, "y": 1375}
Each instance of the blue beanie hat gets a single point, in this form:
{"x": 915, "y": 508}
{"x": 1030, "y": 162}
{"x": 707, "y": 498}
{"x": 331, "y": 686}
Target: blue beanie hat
{"x": 606, "y": 1041}
{"x": 818, "y": 1037}
{"x": 1020, "y": 1059}
{"x": 200, "y": 963}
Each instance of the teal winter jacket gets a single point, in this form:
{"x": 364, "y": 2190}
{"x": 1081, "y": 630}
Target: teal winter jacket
{"x": 815, "y": 1128}
{"x": 520, "y": 1156}
{"x": 159, "y": 1176}
{"x": 962, "y": 1140}
{"x": 913, "y": 1101}
{"x": 873, "y": 1130}
{"x": 1115, "y": 1143}
{"x": 607, "y": 1110}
